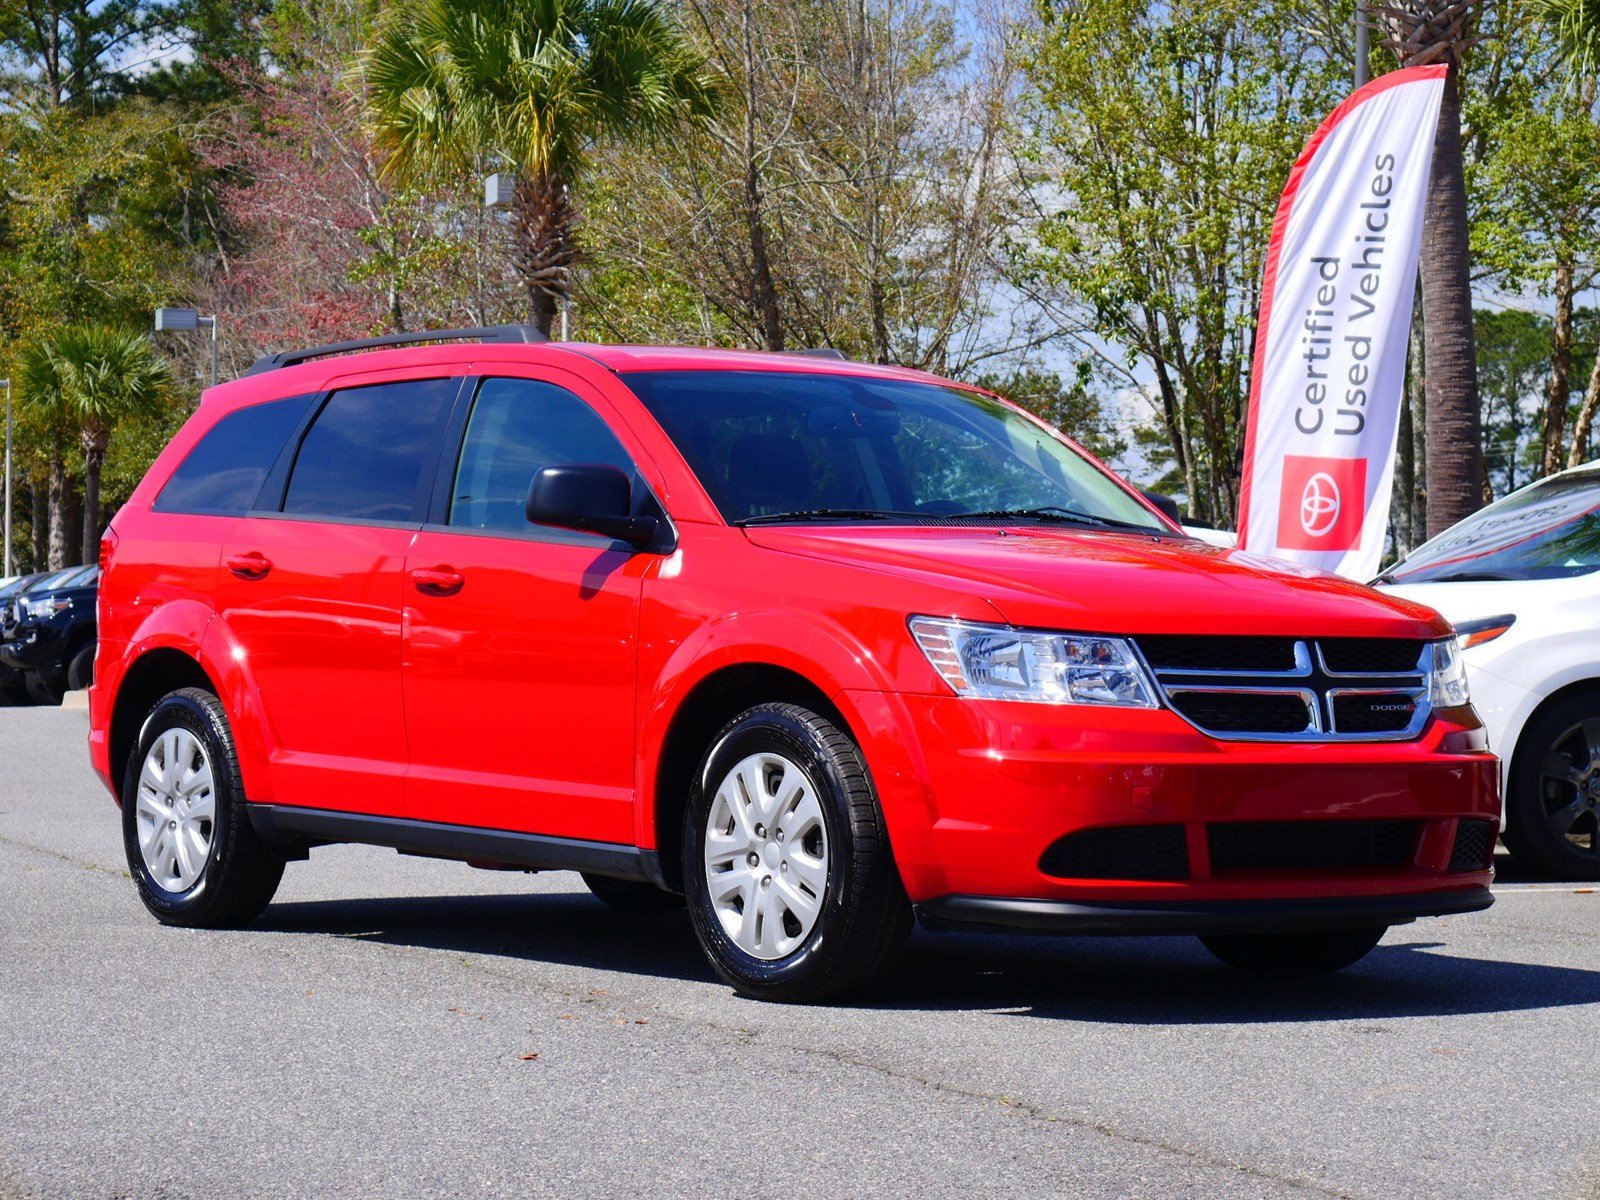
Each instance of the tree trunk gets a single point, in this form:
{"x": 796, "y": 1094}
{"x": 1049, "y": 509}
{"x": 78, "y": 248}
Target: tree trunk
{"x": 72, "y": 508}
{"x": 93, "y": 460}
{"x": 1559, "y": 387}
{"x": 40, "y": 501}
{"x": 60, "y": 545}
{"x": 1585, "y": 421}
{"x": 763, "y": 289}
{"x": 1455, "y": 435}
{"x": 543, "y": 221}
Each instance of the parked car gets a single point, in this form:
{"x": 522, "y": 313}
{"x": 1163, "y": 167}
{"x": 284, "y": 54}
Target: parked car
{"x": 812, "y": 645}
{"x": 47, "y": 633}
{"x": 1521, "y": 582}
{"x": 13, "y": 686}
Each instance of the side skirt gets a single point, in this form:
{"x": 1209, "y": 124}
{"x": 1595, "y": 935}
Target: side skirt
{"x": 291, "y": 825}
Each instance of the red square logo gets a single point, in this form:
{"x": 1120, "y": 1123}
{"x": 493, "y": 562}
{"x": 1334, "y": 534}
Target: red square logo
{"x": 1323, "y": 503}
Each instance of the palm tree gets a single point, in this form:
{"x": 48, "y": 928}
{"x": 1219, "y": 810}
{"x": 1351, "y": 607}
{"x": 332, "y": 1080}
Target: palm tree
{"x": 89, "y": 377}
{"x": 1440, "y": 31}
{"x": 40, "y": 401}
{"x": 533, "y": 83}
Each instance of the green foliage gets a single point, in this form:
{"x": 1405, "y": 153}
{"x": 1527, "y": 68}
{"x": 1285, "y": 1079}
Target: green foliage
{"x": 534, "y": 82}
{"x": 1513, "y": 360}
{"x": 1164, "y": 134}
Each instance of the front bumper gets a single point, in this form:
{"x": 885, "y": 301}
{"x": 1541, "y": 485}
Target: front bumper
{"x": 976, "y": 793}
{"x": 1238, "y": 916}
{"x": 34, "y": 648}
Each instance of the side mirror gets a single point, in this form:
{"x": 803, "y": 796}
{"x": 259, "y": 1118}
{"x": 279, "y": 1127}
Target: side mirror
{"x": 590, "y": 498}
{"x": 1166, "y": 504}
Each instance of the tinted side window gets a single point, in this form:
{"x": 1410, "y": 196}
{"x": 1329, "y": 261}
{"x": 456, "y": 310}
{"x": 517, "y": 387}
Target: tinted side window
{"x": 225, "y": 470}
{"x": 518, "y": 427}
{"x": 364, "y": 456}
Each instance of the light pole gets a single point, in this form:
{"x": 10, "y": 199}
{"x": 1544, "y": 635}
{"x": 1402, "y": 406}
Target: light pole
{"x": 186, "y": 320}
{"x": 6, "y": 383}
{"x": 1363, "y": 50}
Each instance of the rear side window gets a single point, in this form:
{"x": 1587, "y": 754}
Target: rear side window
{"x": 366, "y": 453}
{"x": 224, "y": 472}
{"x": 518, "y": 428}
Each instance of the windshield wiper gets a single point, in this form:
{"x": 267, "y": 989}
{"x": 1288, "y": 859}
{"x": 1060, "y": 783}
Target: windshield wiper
{"x": 1052, "y": 512}
{"x": 830, "y": 514}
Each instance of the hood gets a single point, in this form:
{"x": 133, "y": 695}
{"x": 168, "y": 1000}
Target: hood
{"x": 1059, "y": 578}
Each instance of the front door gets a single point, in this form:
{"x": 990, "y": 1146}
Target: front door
{"x": 521, "y": 641}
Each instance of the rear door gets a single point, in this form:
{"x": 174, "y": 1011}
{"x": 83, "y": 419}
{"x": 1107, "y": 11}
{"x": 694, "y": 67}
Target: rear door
{"x": 310, "y": 586}
{"x": 521, "y": 641}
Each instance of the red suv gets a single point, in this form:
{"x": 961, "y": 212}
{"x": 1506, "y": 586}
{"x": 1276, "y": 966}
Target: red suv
{"x": 814, "y": 645}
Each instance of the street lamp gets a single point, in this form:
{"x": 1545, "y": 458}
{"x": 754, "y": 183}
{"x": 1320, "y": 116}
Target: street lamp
{"x": 6, "y": 383}
{"x": 187, "y": 320}
{"x": 498, "y": 189}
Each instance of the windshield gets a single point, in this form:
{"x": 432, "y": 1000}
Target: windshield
{"x": 776, "y": 446}
{"x": 1548, "y": 531}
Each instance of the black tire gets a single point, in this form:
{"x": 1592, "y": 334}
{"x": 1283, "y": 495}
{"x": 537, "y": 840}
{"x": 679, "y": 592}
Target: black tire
{"x": 242, "y": 870}
{"x": 631, "y": 895}
{"x": 1535, "y": 794}
{"x": 42, "y": 691}
{"x": 864, "y": 916}
{"x": 80, "y": 671}
{"x": 1310, "y": 953}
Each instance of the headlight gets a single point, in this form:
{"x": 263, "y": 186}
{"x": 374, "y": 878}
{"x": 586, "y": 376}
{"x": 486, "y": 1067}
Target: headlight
{"x": 996, "y": 662}
{"x": 45, "y": 607}
{"x": 1476, "y": 633}
{"x": 1447, "y": 686}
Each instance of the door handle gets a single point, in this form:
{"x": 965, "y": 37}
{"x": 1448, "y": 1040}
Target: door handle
{"x": 250, "y": 566}
{"x": 437, "y": 581}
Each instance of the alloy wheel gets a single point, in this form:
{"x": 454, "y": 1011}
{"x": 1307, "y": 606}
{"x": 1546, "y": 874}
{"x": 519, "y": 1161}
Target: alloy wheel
{"x": 1569, "y": 787}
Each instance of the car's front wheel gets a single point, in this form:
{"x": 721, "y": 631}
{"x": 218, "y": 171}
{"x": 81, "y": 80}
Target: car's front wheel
{"x": 1307, "y": 953}
{"x": 1553, "y": 791}
{"x": 790, "y": 881}
{"x": 192, "y": 851}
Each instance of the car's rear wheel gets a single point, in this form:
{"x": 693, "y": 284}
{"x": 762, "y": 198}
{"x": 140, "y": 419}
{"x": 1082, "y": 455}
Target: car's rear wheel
{"x": 80, "y": 671}
{"x": 191, "y": 849}
{"x": 791, "y": 885}
{"x": 1305, "y": 953}
{"x": 631, "y": 895}
{"x": 1553, "y": 791}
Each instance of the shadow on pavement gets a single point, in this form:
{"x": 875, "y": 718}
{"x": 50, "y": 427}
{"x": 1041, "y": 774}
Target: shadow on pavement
{"x": 1166, "y": 981}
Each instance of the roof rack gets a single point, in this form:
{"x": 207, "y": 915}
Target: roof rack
{"x": 488, "y": 334}
{"x": 819, "y": 352}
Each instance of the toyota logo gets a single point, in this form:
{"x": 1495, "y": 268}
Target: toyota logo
{"x": 1319, "y": 505}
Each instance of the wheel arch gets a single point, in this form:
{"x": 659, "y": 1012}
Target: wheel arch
{"x": 707, "y": 706}
{"x": 1577, "y": 687}
{"x": 152, "y": 675}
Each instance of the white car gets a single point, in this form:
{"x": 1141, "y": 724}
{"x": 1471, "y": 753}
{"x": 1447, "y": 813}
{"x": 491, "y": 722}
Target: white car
{"x": 1520, "y": 581}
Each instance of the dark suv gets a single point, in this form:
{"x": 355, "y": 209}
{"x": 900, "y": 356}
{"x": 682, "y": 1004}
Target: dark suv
{"x": 13, "y": 689}
{"x": 47, "y": 633}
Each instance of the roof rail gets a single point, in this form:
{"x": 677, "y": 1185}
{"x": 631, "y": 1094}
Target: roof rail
{"x": 819, "y": 352}
{"x": 488, "y": 334}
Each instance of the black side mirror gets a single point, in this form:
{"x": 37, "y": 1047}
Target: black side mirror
{"x": 591, "y": 498}
{"x": 1168, "y": 506}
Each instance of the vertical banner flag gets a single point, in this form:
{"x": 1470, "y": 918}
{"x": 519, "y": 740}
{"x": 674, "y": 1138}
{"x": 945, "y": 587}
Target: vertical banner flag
{"x": 1335, "y": 319}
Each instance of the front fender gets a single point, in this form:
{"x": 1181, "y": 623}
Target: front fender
{"x": 858, "y": 677}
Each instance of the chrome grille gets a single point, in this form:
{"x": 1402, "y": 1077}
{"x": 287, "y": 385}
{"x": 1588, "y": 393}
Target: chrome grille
{"x": 1288, "y": 689}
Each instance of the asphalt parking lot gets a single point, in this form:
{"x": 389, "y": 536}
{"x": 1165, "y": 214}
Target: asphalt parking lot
{"x": 398, "y": 1027}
